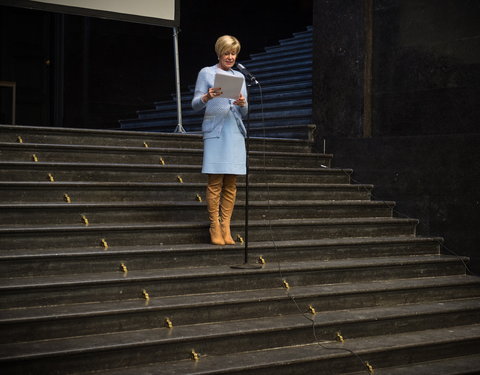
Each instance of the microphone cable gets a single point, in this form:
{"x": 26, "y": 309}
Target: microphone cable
{"x": 367, "y": 367}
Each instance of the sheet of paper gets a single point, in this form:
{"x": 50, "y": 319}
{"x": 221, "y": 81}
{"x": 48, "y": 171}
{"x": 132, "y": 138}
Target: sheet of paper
{"x": 231, "y": 86}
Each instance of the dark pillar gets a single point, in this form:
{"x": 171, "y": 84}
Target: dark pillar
{"x": 59, "y": 65}
{"x": 85, "y": 113}
{"x": 368, "y": 70}
{"x": 338, "y": 72}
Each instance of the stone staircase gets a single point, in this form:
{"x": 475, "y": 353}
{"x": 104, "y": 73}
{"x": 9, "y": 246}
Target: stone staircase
{"x": 285, "y": 74}
{"x": 104, "y": 244}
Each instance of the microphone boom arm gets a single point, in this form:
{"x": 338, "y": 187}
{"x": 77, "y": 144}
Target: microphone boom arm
{"x": 249, "y": 76}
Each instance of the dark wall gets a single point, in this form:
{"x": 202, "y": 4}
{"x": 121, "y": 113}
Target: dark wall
{"x": 424, "y": 153}
{"x": 24, "y": 59}
{"x": 112, "y": 69}
{"x": 338, "y": 67}
{"x": 427, "y": 67}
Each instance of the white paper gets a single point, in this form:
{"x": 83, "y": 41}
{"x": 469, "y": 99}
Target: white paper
{"x": 231, "y": 86}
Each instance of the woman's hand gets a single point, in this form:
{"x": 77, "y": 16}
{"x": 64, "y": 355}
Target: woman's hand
{"x": 212, "y": 93}
{"x": 240, "y": 101}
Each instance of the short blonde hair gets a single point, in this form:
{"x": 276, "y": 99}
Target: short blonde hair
{"x": 227, "y": 43}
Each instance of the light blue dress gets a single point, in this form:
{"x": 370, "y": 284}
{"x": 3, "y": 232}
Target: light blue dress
{"x": 223, "y": 129}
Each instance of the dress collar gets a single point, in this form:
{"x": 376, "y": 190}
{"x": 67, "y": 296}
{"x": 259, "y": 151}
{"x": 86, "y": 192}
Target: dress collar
{"x": 224, "y": 71}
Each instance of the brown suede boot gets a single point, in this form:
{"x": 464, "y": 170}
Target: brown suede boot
{"x": 229, "y": 193}
{"x": 214, "y": 189}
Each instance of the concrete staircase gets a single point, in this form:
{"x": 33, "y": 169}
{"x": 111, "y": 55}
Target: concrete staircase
{"x": 285, "y": 74}
{"x": 104, "y": 244}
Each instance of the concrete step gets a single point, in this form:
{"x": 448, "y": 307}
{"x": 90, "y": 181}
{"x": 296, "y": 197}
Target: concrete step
{"x": 307, "y": 42}
{"x": 84, "y": 260}
{"x": 24, "y": 292}
{"x": 298, "y": 36}
{"x": 49, "y": 322}
{"x": 292, "y": 103}
{"x": 25, "y": 152}
{"x": 295, "y": 129}
{"x": 462, "y": 365}
{"x": 285, "y": 78}
{"x": 299, "y": 85}
{"x": 300, "y": 131}
{"x": 330, "y": 357}
{"x": 194, "y": 126}
{"x": 61, "y": 236}
{"x": 300, "y": 94}
{"x": 296, "y": 69}
{"x": 303, "y": 114}
{"x": 59, "y": 171}
{"x": 270, "y": 113}
{"x": 256, "y": 66}
{"x": 91, "y": 192}
{"x": 254, "y": 100}
{"x": 176, "y": 211}
{"x": 280, "y": 74}
{"x": 268, "y": 89}
{"x": 119, "y": 138}
{"x": 216, "y": 339}
{"x": 301, "y": 90}
{"x": 306, "y": 49}
{"x": 282, "y": 79}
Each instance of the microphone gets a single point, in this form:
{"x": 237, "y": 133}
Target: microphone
{"x": 247, "y": 74}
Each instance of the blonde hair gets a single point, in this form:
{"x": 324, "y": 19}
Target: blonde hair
{"x": 227, "y": 43}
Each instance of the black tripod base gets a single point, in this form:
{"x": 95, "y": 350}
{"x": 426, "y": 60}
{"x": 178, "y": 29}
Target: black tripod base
{"x": 247, "y": 266}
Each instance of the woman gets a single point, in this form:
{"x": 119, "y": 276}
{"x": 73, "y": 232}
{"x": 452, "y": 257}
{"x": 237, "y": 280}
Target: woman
{"x": 224, "y": 155}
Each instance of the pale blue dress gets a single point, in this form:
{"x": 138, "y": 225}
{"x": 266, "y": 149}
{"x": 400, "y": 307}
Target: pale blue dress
{"x": 223, "y": 129}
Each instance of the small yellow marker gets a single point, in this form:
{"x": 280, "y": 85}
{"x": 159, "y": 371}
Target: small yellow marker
{"x": 195, "y": 355}
{"x": 339, "y": 337}
{"x": 104, "y": 243}
{"x": 369, "y": 368}
{"x": 168, "y": 323}
{"x": 123, "y": 268}
{"x": 85, "y": 220}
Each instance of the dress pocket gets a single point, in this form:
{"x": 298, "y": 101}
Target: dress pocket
{"x": 208, "y": 124}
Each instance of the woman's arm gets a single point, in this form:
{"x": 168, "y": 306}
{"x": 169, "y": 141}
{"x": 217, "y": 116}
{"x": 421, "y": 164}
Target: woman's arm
{"x": 244, "y": 108}
{"x": 201, "y": 88}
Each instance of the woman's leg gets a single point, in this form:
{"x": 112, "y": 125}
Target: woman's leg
{"x": 214, "y": 190}
{"x": 227, "y": 203}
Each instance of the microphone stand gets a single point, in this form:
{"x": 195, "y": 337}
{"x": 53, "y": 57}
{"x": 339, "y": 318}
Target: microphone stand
{"x": 250, "y": 81}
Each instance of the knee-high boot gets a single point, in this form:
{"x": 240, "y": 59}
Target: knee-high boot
{"x": 227, "y": 203}
{"x": 214, "y": 190}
